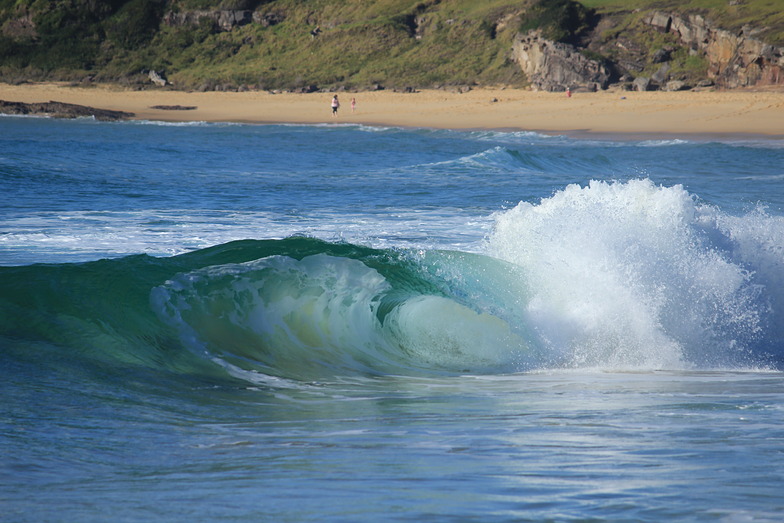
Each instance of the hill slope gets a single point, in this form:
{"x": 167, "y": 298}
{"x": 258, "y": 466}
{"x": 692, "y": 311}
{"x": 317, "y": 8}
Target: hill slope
{"x": 309, "y": 44}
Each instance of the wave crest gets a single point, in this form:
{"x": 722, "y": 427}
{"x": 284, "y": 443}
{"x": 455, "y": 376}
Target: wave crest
{"x": 636, "y": 275}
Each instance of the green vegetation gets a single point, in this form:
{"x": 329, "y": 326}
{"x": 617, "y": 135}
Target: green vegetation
{"x": 392, "y": 42}
{"x": 767, "y": 16}
{"x": 631, "y": 41}
{"x": 360, "y": 43}
{"x": 559, "y": 20}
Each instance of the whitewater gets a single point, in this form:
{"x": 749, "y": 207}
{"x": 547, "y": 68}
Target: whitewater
{"x": 350, "y": 323}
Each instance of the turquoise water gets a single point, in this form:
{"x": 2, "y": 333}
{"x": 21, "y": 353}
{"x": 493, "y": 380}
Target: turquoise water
{"x": 345, "y": 323}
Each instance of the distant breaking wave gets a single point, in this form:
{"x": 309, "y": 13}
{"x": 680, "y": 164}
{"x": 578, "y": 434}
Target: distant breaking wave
{"x": 506, "y": 159}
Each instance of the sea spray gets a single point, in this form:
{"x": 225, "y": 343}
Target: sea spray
{"x": 632, "y": 275}
{"x": 756, "y": 241}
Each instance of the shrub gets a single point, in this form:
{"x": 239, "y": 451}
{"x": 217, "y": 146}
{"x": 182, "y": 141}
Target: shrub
{"x": 559, "y": 20}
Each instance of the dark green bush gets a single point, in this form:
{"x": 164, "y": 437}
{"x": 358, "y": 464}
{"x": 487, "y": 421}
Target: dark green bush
{"x": 559, "y": 20}
{"x": 135, "y": 23}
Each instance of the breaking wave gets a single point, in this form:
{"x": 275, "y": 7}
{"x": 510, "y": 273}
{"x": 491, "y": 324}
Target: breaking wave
{"x": 608, "y": 276}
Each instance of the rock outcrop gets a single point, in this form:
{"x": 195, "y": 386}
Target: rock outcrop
{"x": 224, "y": 20}
{"x": 61, "y": 110}
{"x": 554, "y": 66}
{"x": 736, "y": 59}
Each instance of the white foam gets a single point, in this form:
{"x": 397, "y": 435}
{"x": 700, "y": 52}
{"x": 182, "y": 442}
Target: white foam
{"x": 82, "y": 236}
{"x": 195, "y": 123}
{"x": 631, "y": 275}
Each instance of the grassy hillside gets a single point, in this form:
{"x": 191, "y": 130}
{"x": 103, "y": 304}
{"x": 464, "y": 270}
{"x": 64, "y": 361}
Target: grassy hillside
{"x": 361, "y": 43}
{"x": 766, "y": 16}
{"x": 358, "y": 45}
{"x": 392, "y": 42}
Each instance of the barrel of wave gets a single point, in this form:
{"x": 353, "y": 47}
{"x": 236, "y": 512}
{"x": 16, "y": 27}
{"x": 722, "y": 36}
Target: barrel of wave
{"x": 325, "y": 316}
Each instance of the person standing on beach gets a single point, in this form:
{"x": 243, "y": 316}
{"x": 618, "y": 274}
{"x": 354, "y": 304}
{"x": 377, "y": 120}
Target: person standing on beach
{"x": 335, "y": 105}
{"x": 353, "y": 104}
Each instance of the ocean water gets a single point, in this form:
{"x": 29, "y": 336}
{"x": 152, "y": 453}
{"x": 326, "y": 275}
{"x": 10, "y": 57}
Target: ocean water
{"x": 222, "y": 322}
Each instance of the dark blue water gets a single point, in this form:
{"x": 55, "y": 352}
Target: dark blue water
{"x": 343, "y": 323}
{"x": 86, "y": 189}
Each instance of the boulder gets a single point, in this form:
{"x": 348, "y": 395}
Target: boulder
{"x": 660, "y": 21}
{"x": 641, "y": 83}
{"x": 229, "y": 19}
{"x": 157, "y": 79}
{"x": 675, "y": 85}
{"x": 661, "y": 76}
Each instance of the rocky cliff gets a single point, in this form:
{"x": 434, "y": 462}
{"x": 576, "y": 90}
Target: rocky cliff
{"x": 554, "y": 66}
{"x": 732, "y": 59}
{"x": 735, "y": 60}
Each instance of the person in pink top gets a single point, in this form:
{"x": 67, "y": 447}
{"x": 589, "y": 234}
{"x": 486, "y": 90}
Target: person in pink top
{"x": 335, "y": 105}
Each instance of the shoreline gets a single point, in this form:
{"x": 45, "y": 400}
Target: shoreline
{"x": 624, "y": 114}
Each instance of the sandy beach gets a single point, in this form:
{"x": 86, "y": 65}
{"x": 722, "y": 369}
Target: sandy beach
{"x": 613, "y": 111}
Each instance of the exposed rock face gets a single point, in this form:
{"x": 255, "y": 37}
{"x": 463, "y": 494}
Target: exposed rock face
{"x": 553, "y": 66}
{"x": 267, "y": 19}
{"x": 224, "y": 20}
{"x": 62, "y": 110}
{"x": 736, "y": 60}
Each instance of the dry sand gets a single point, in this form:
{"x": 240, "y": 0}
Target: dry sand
{"x": 614, "y": 112}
